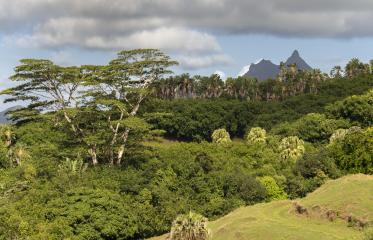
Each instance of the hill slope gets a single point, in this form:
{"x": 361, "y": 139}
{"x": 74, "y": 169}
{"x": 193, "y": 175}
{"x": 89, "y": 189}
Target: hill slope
{"x": 350, "y": 196}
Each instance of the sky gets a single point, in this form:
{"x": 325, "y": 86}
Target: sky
{"x": 204, "y": 36}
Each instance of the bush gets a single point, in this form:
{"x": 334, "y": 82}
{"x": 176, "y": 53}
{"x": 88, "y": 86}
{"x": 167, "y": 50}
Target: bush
{"x": 355, "y": 153}
{"x": 221, "y": 136}
{"x": 291, "y": 148}
{"x": 358, "y": 109}
{"x": 246, "y": 187}
{"x": 274, "y": 192}
{"x": 311, "y": 164}
{"x": 190, "y": 226}
{"x": 256, "y": 135}
{"x": 313, "y": 127}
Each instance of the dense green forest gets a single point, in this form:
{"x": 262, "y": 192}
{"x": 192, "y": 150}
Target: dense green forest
{"x": 119, "y": 151}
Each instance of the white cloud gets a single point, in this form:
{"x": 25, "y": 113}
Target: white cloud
{"x": 317, "y": 18}
{"x": 196, "y": 61}
{"x": 181, "y": 27}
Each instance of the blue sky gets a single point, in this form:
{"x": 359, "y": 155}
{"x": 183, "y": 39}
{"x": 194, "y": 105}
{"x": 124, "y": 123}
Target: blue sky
{"x": 205, "y": 36}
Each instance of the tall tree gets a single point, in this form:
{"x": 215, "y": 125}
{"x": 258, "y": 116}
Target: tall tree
{"x": 121, "y": 87}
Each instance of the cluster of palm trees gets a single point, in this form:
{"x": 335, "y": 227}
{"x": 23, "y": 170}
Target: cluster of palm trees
{"x": 290, "y": 81}
{"x": 185, "y": 86}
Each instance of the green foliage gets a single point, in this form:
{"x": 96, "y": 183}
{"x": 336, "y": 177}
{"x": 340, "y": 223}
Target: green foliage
{"x": 291, "y": 148}
{"x": 3, "y": 155}
{"x": 315, "y": 164}
{"x": 355, "y": 153}
{"x": 274, "y": 192}
{"x": 357, "y": 109}
{"x": 73, "y": 167}
{"x": 190, "y": 226}
{"x": 18, "y": 154}
{"x": 221, "y": 136}
{"x": 196, "y": 119}
{"x": 80, "y": 213}
{"x": 256, "y": 135}
{"x": 338, "y": 136}
{"x": 313, "y": 127}
{"x": 356, "y": 68}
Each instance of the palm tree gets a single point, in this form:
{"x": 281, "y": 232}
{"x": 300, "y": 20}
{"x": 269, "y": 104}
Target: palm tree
{"x": 190, "y": 226}
{"x": 336, "y": 72}
{"x": 354, "y": 68}
{"x": 291, "y": 148}
{"x": 256, "y": 135}
{"x": 230, "y": 87}
{"x": 221, "y": 136}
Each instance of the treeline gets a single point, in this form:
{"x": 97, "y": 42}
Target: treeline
{"x": 196, "y": 119}
{"x": 290, "y": 82}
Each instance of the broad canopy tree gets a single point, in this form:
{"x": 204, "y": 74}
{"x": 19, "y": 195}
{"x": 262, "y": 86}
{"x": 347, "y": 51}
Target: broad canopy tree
{"x": 99, "y": 104}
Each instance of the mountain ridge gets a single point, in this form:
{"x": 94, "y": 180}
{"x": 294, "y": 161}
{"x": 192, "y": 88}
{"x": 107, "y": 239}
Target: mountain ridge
{"x": 265, "y": 69}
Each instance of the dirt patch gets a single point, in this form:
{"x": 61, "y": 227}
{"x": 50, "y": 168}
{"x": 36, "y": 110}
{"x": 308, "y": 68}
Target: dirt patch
{"x": 331, "y": 215}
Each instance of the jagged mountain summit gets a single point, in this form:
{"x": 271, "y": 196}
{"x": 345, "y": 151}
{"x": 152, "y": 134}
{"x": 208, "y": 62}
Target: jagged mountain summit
{"x": 296, "y": 59}
{"x": 265, "y": 69}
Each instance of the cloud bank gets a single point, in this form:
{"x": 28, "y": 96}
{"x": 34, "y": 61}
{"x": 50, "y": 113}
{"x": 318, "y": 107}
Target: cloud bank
{"x": 185, "y": 28}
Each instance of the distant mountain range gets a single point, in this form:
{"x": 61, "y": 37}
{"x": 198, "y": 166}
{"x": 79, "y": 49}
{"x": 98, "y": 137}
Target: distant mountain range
{"x": 3, "y": 117}
{"x": 265, "y": 69}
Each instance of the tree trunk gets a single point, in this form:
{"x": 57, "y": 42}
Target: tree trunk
{"x": 125, "y": 135}
{"x": 122, "y": 147}
{"x": 92, "y": 152}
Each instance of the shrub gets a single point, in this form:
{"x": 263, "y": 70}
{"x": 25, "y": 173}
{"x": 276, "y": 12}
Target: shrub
{"x": 246, "y": 187}
{"x": 313, "y": 163}
{"x": 274, "y": 192}
{"x": 358, "y": 109}
{"x": 338, "y": 136}
{"x": 190, "y": 226}
{"x": 313, "y": 127}
{"x": 355, "y": 153}
{"x": 256, "y": 135}
{"x": 291, "y": 148}
{"x": 221, "y": 136}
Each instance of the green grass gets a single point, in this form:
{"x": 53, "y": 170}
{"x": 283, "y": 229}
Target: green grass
{"x": 349, "y": 196}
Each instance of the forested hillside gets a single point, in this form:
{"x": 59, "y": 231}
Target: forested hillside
{"x": 119, "y": 151}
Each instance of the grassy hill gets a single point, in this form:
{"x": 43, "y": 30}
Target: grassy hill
{"x": 334, "y": 211}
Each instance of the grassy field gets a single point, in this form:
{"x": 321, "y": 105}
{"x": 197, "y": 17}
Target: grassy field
{"x": 327, "y": 211}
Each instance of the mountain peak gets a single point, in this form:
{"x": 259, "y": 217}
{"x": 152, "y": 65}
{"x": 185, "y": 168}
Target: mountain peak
{"x": 265, "y": 69}
{"x": 295, "y": 58}
{"x": 295, "y": 53}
